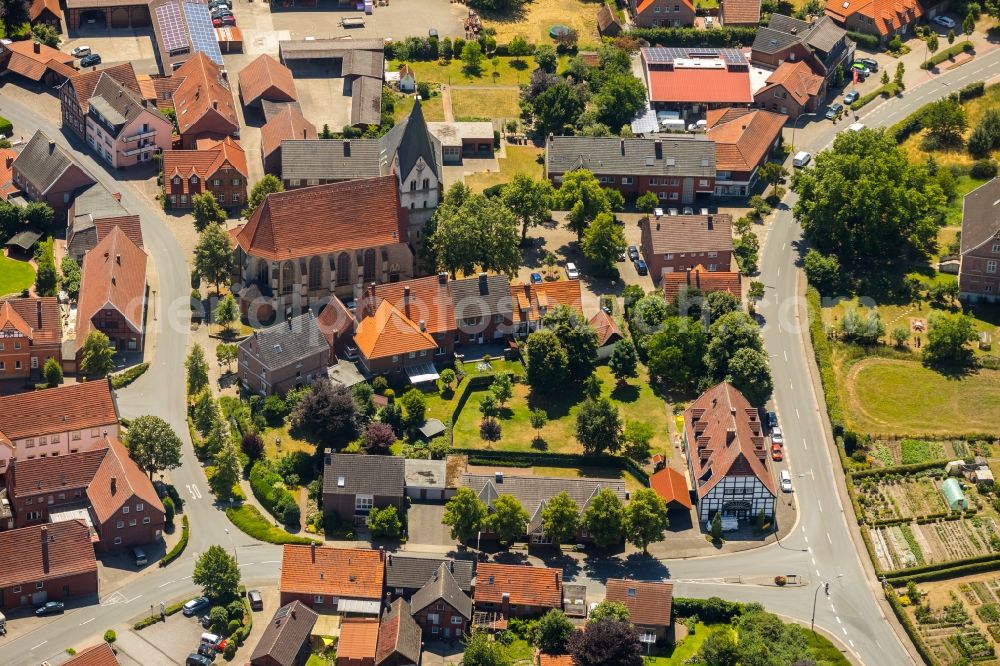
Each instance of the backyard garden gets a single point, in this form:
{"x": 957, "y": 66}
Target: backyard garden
{"x": 15, "y": 276}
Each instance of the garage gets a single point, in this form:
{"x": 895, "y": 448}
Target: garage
{"x": 426, "y": 480}
{"x": 121, "y": 14}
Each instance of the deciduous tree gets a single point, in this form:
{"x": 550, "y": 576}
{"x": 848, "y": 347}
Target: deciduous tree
{"x": 750, "y": 374}
{"x": 482, "y": 650}
{"x": 327, "y": 414}
{"x": 624, "y": 361}
{"x": 603, "y": 518}
{"x": 561, "y": 519}
{"x": 414, "y": 408}
{"x": 470, "y": 232}
{"x": 675, "y": 354}
{"x": 603, "y": 242}
{"x": 599, "y": 427}
{"x": 216, "y": 572}
{"x": 577, "y": 336}
{"x": 606, "y": 643}
{"x": 509, "y": 520}
{"x": 52, "y": 372}
{"x": 206, "y": 211}
{"x": 98, "y": 357}
{"x": 608, "y": 610}
{"x": 197, "y": 370}
{"x": 558, "y": 107}
{"x": 502, "y": 388}
{"x": 465, "y": 514}
{"x": 266, "y": 185}
{"x": 729, "y": 334}
{"x": 529, "y": 199}
{"x": 378, "y": 438}
{"x": 226, "y": 312}
{"x": 153, "y": 444}
{"x": 554, "y": 630}
{"x": 227, "y": 461}
{"x": 645, "y": 519}
{"x": 582, "y": 195}
{"x": 70, "y": 281}
{"x": 948, "y": 341}
{"x": 385, "y": 523}
{"x": 546, "y": 359}
{"x": 213, "y": 256}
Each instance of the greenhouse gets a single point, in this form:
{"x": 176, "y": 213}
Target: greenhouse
{"x": 954, "y": 496}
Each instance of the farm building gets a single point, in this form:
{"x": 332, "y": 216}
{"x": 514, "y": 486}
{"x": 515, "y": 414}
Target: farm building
{"x": 953, "y": 495}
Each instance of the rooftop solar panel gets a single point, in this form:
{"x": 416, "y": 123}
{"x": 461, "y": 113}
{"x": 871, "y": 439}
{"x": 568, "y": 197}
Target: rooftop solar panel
{"x": 203, "y": 38}
{"x": 168, "y": 16}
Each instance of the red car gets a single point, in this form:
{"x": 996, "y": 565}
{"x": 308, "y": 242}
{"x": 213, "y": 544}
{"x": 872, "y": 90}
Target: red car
{"x": 776, "y": 453}
{"x": 228, "y": 19}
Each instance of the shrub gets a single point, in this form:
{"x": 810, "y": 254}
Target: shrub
{"x": 252, "y": 522}
{"x": 275, "y": 409}
{"x": 864, "y": 40}
{"x": 110, "y": 636}
{"x": 380, "y": 384}
{"x": 269, "y": 489}
{"x": 720, "y": 36}
{"x": 120, "y": 380}
{"x": 230, "y": 650}
{"x": 6, "y": 127}
{"x": 179, "y": 547}
{"x": 168, "y": 510}
{"x": 971, "y": 91}
{"x": 984, "y": 169}
{"x": 947, "y": 54}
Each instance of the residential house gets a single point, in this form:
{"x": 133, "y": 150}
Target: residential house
{"x": 408, "y": 151}
{"x": 204, "y": 102}
{"x": 358, "y": 641}
{"x": 744, "y": 140}
{"x": 978, "y": 278}
{"x": 36, "y": 61}
{"x": 217, "y": 167}
{"x": 336, "y": 322}
{"x": 305, "y": 245}
{"x": 442, "y": 608}
{"x": 533, "y": 302}
{"x": 8, "y": 188}
{"x": 405, "y": 574}
{"x": 45, "y": 171}
{"x": 389, "y": 341}
{"x": 56, "y": 421}
{"x": 266, "y": 78}
{"x": 727, "y": 455}
{"x": 427, "y": 480}
{"x": 461, "y": 140}
{"x": 32, "y": 482}
{"x": 608, "y": 23}
{"x": 701, "y": 279}
{"x": 346, "y": 580}
{"x": 883, "y": 18}
{"x": 95, "y": 212}
{"x": 692, "y": 80}
{"x": 483, "y": 308}
{"x": 354, "y": 484}
{"x": 427, "y": 300}
{"x": 662, "y": 13}
{"x": 47, "y": 12}
{"x": 46, "y": 563}
{"x": 821, "y": 43}
{"x": 534, "y": 493}
{"x": 649, "y": 605}
{"x": 75, "y": 93}
{"x": 608, "y": 334}
{"x": 285, "y": 641}
{"x": 113, "y": 293}
{"x": 30, "y": 334}
{"x": 399, "y": 641}
{"x": 506, "y": 590}
{"x": 678, "y": 242}
{"x": 739, "y": 13}
{"x": 121, "y": 128}
{"x": 677, "y": 169}
{"x": 672, "y": 488}
{"x": 407, "y": 79}
{"x": 96, "y": 655}
{"x": 792, "y": 89}
{"x": 287, "y": 125}
{"x": 289, "y": 354}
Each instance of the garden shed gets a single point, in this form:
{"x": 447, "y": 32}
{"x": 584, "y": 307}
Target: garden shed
{"x": 953, "y": 495}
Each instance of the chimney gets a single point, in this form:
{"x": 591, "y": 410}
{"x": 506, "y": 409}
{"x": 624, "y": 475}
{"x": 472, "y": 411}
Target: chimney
{"x": 505, "y": 604}
{"x": 304, "y": 130}
{"x": 710, "y": 225}
{"x": 52, "y": 145}
{"x": 657, "y": 225}
{"x": 451, "y": 563}
{"x": 423, "y": 326}
{"x": 37, "y": 47}
{"x": 327, "y": 455}
{"x": 215, "y": 105}
{"x": 443, "y": 277}
{"x": 114, "y": 485}
{"x": 483, "y": 285}
{"x": 697, "y": 279}
{"x": 289, "y": 322}
{"x": 389, "y": 558}
{"x": 45, "y": 548}
{"x": 658, "y": 147}
{"x": 381, "y": 553}
{"x": 347, "y": 147}
{"x": 406, "y": 299}
{"x": 312, "y": 551}
{"x": 498, "y": 477}
{"x": 622, "y": 143}
{"x": 10, "y": 161}
{"x": 118, "y": 259}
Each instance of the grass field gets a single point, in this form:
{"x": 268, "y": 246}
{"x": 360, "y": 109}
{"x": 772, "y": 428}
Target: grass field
{"x": 687, "y": 648}
{"x": 636, "y": 402}
{"x": 959, "y": 156}
{"x": 889, "y": 396}
{"x": 510, "y": 71}
{"x": 433, "y": 108}
{"x": 520, "y": 159}
{"x": 501, "y": 103}
{"x": 15, "y": 276}
{"x": 534, "y": 21}
{"x": 288, "y": 443}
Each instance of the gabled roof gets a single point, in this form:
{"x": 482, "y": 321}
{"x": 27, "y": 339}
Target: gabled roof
{"x": 442, "y": 586}
{"x": 886, "y": 15}
{"x": 606, "y": 18}
{"x": 34, "y": 476}
{"x": 411, "y": 571}
{"x": 481, "y": 296}
{"x": 670, "y": 485}
{"x": 266, "y": 78}
{"x": 526, "y": 585}
{"x": 391, "y": 333}
{"x": 725, "y": 438}
{"x": 351, "y": 215}
{"x": 36, "y": 318}
{"x": 42, "y": 553}
{"x": 7, "y": 186}
{"x": 642, "y": 6}
{"x": 690, "y": 233}
{"x": 85, "y": 235}
{"x": 84, "y": 83}
{"x": 203, "y": 91}
{"x": 353, "y": 473}
{"x": 740, "y": 12}
{"x": 335, "y": 320}
{"x": 743, "y": 140}
{"x": 287, "y": 342}
{"x": 117, "y": 481}
{"x": 38, "y": 7}
{"x": 117, "y": 104}
{"x": 113, "y": 275}
{"x": 683, "y": 156}
{"x": 66, "y": 408}
{"x": 366, "y": 101}
{"x": 358, "y": 640}
{"x": 426, "y": 299}
{"x": 606, "y": 327}
{"x": 96, "y": 655}
{"x": 288, "y": 125}
{"x": 285, "y": 634}
{"x": 648, "y": 603}
{"x": 399, "y": 635}
{"x": 703, "y": 280}
{"x": 797, "y": 78}
{"x": 205, "y": 161}
{"x": 12, "y": 321}
{"x": 532, "y": 301}
{"x": 981, "y": 216}
{"x": 31, "y": 65}
{"x": 43, "y": 161}
{"x": 346, "y": 573}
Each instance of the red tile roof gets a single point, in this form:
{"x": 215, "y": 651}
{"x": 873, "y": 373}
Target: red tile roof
{"x": 670, "y": 485}
{"x": 744, "y": 140}
{"x": 31, "y": 65}
{"x": 607, "y": 328}
{"x": 526, "y": 585}
{"x": 96, "y": 655}
{"x": 797, "y": 78}
{"x": 700, "y": 86}
{"x": 61, "y": 409}
{"x": 117, "y": 481}
{"x": 39, "y": 6}
{"x": 204, "y": 162}
{"x": 530, "y": 300}
{"x": 703, "y": 280}
{"x": 886, "y": 15}
{"x": 67, "y": 552}
{"x": 725, "y": 438}
{"x": 358, "y": 640}
{"x": 390, "y": 333}
{"x": 351, "y": 215}
{"x": 130, "y": 225}
{"x": 7, "y": 186}
{"x": 288, "y": 124}
{"x": 113, "y": 274}
{"x": 555, "y": 659}
{"x": 740, "y": 12}
{"x": 33, "y": 476}
{"x": 335, "y": 320}
{"x": 648, "y": 604}
{"x": 84, "y": 83}
{"x": 204, "y": 91}
{"x": 429, "y": 302}
{"x": 339, "y": 572}
{"x": 266, "y": 78}
{"x": 644, "y": 5}
{"x": 38, "y": 319}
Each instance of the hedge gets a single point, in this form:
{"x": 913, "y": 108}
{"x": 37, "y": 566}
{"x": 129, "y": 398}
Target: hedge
{"x": 972, "y": 91}
{"x": 911, "y": 630}
{"x": 721, "y": 36}
{"x": 179, "y": 547}
{"x": 888, "y": 90}
{"x": 243, "y": 632}
{"x": 252, "y": 522}
{"x": 122, "y": 379}
{"x": 269, "y": 488}
{"x": 6, "y": 127}
{"x": 987, "y": 562}
{"x": 530, "y": 458}
{"x": 710, "y": 611}
{"x": 167, "y": 612}
{"x": 899, "y": 469}
{"x": 948, "y": 53}
{"x": 864, "y": 40}
{"x": 824, "y": 357}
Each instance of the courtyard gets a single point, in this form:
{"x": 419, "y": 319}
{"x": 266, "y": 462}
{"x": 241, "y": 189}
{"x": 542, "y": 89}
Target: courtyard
{"x": 398, "y": 20}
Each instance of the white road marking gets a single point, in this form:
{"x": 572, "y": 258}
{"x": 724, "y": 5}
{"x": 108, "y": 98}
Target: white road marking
{"x": 785, "y": 352}
{"x": 779, "y": 272}
{"x": 807, "y": 540}
{"x": 844, "y": 629}
{"x": 803, "y": 528}
{"x": 133, "y": 598}
{"x": 169, "y": 582}
{"x": 832, "y": 609}
{"x": 196, "y": 491}
{"x": 39, "y": 645}
{"x": 790, "y": 385}
{"x": 813, "y": 560}
{"x": 797, "y": 413}
{"x": 820, "y": 504}
{"x": 837, "y": 618}
{"x": 813, "y": 477}
{"x": 805, "y": 445}
{"x": 270, "y": 562}
{"x": 817, "y": 572}
{"x": 829, "y": 540}
{"x": 88, "y": 621}
{"x": 851, "y": 642}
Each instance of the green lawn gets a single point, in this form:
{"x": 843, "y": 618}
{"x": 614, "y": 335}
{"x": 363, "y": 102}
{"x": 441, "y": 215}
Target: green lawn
{"x": 823, "y": 651}
{"x": 15, "y": 276}
{"x": 975, "y": 109}
{"x": 686, "y": 649}
{"x": 510, "y": 71}
{"x": 636, "y": 402}
{"x": 520, "y": 159}
{"x": 288, "y": 443}
{"x": 485, "y": 104}
{"x": 432, "y": 108}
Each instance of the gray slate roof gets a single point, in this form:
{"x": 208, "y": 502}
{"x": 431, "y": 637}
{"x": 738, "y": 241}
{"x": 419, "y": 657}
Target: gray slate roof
{"x": 96, "y": 202}
{"x": 445, "y": 587}
{"x": 352, "y": 473}
{"x": 116, "y": 104}
{"x": 410, "y": 571}
{"x": 285, "y": 633}
{"x": 694, "y": 157}
{"x": 481, "y": 296}
{"x": 783, "y": 31}
{"x": 287, "y": 342}
{"x": 981, "y": 215}
{"x": 416, "y": 141}
{"x": 366, "y": 101}
{"x": 42, "y": 162}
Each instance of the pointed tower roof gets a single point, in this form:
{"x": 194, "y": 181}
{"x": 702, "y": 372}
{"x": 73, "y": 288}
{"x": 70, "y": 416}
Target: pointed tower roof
{"x": 416, "y": 143}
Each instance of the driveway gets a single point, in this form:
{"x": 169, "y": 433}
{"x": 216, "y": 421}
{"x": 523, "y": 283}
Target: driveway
{"x": 425, "y": 526}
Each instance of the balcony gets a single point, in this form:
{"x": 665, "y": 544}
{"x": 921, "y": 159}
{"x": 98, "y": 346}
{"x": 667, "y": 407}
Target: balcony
{"x": 141, "y": 149}
{"x": 140, "y": 135}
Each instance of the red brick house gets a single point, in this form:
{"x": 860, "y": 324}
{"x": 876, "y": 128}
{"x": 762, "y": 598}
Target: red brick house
{"x": 287, "y": 125}
{"x": 266, "y": 78}
{"x": 678, "y": 242}
{"x": 703, "y": 280}
{"x": 46, "y": 563}
{"x": 649, "y": 606}
{"x": 662, "y": 13}
{"x": 47, "y": 12}
{"x": 441, "y": 608}
{"x": 45, "y": 171}
{"x": 204, "y": 102}
{"x": 218, "y": 167}
{"x": 39, "y": 487}
{"x": 95, "y": 655}
{"x": 75, "y": 94}
{"x": 347, "y": 580}
{"x": 389, "y": 341}
{"x": 36, "y": 61}
{"x": 30, "y": 334}
{"x": 978, "y": 277}
{"x": 883, "y": 18}
{"x": 744, "y": 140}
{"x": 792, "y": 89}
{"x": 822, "y": 43}
{"x": 355, "y": 484}
{"x": 506, "y": 590}
{"x": 358, "y": 641}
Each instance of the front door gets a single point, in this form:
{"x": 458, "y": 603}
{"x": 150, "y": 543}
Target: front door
{"x": 447, "y": 632}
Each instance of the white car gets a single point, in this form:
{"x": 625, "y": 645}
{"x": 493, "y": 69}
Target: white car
{"x": 776, "y": 436}
{"x": 944, "y": 21}
{"x": 786, "y": 481}
{"x": 80, "y": 51}
{"x": 571, "y": 272}
{"x": 801, "y": 159}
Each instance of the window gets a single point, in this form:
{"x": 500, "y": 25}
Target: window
{"x": 712, "y": 254}
{"x": 120, "y": 524}
{"x": 395, "y": 358}
{"x": 34, "y": 362}
{"x": 413, "y": 186}
{"x": 363, "y": 502}
{"x": 626, "y": 180}
{"x": 42, "y": 441}
{"x": 125, "y": 509}
{"x": 317, "y": 598}
{"x": 177, "y": 181}
{"x": 145, "y": 521}
{"x": 423, "y": 352}
{"x": 17, "y": 589}
{"x": 54, "y": 439}
{"x": 217, "y": 182}
{"x": 236, "y": 181}
{"x": 139, "y": 507}
{"x": 17, "y": 365}
{"x": 34, "y": 515}
{"x": 39, "y": 586}
{"x": 118, "y": 540}
{"x": 456, "y": 619}
{"x": 132, "y": 523}
{"x": 433, "y": 618}
{"x": 991, "y": 266}
{"x": 236, "y": 197}
{"x": 29, "y": 443}
{"x": 194, "y": 180}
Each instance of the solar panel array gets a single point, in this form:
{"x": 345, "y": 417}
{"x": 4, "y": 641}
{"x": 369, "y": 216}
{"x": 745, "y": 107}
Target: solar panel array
{"x": 168, "y": 16}
{"x": 203, "y": 38}
{"x": 667, "y": 54}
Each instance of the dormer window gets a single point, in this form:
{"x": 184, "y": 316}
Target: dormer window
{"x": 194, "y": 180}
{"x": 177, "y": 180}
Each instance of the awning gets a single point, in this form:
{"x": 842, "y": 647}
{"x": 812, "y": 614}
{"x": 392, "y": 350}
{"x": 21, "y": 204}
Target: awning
{"x": 361, "y": 606}
{"x": 424, "y": 372}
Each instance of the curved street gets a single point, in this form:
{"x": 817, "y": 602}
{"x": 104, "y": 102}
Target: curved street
{"x": 820, "y": 548}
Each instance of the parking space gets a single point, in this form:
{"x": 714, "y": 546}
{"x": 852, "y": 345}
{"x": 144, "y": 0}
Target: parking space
{"x": 424, "y": 525}
{"x": 117, "y": 46}
{"x": 172, "y": 641}
{"x": 400, "y": 19}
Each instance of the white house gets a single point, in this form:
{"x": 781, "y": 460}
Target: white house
{"x": 407, "y": 79}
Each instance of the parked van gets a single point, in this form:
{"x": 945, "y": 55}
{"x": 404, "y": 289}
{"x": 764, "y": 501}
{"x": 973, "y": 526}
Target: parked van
{"x": 856, "y": 127}
{"x": 210, "y": 639}
{"x": 140, "y": 556}
{"x": 786, "y": 481}
{"x": 673, "y": 125}
{"x": 801, "y": 159}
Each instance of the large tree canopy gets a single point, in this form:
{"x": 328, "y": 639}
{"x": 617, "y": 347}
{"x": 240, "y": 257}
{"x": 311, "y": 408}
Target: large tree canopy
{"x": 471, "y": 232}
{"x": 863, "y": 201}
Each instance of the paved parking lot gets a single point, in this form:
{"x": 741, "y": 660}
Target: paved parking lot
{"x": 117, "y": 46}
{"x": 402, "y": 18}
{"x": 323, "y": 95}
{"x": 424, "y": 525}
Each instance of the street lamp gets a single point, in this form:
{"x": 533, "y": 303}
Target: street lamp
{"x": 826, "y": 585}
{"x": 233, "y": 544}
{"x": 795, "y": 124}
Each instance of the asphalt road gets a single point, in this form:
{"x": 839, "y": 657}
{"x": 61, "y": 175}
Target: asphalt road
{"x": 819, "y": 549}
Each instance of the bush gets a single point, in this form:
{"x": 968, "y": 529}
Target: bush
{"x": 380, "y": 384}
{"x": 252, "y": 522}
{"x": 168, "y": 510}
{"x": 179, "y": 547}
{"x": 230, "y": 650}
{"x": 6, "y": 127}
{"x": 864, "y": 40}
{"x": 120, "y": 380}
{"x": 984, "y": 169}
{"x": 947, "y": 54}
{"x": 710, "y": 611}
{"x": 720, "y": 36}
{"x": 269, "y": 489}
{"x": 110, "y": 636}
{"x": 971, "y": 91}
{"x": 275, "y": 409}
